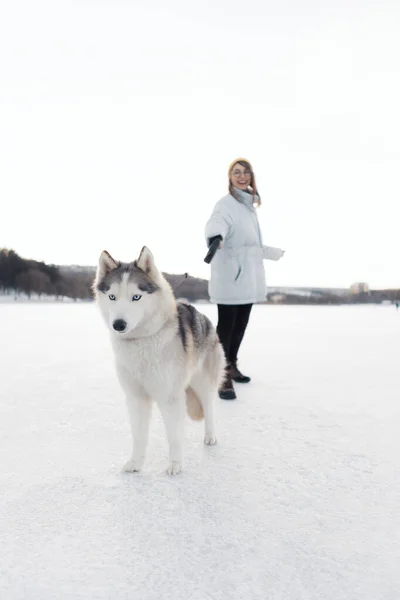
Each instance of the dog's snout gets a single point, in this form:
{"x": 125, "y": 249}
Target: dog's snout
{"x": 119, "y": 325}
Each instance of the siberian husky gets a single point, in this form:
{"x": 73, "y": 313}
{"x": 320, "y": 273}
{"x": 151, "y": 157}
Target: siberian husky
{"x": 165, "y": 351}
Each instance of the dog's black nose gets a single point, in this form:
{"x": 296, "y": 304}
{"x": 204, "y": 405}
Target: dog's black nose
{"x": 119, "y": 325}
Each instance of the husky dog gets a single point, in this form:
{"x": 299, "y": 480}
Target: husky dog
{"x": 166, "y": 352}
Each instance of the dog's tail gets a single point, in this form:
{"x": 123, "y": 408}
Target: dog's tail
{"x": 194, "y": 406}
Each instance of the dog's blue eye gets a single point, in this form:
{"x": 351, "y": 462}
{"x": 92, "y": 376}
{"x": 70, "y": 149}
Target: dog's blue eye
{"x": 136, "y": 297}
{"x": 111, "y": 296}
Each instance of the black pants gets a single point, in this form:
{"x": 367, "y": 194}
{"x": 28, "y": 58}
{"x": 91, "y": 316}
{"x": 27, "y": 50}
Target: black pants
{"x": 232, "y": 323}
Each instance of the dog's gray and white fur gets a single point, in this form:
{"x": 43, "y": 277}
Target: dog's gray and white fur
{"x": 165, "y": 352}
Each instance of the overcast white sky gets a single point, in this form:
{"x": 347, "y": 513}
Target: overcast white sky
{"x": 118, "y": 121}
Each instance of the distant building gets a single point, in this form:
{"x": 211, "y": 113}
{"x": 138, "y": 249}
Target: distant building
{"x": 277, "y": 298}
{"x": 359, "y": 288}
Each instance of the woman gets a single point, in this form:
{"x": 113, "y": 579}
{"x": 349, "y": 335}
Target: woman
{"x": 237, "y": 271}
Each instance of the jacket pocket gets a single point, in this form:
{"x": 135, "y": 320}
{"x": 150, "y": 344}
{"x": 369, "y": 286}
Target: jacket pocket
{"x": 238, "y": 273}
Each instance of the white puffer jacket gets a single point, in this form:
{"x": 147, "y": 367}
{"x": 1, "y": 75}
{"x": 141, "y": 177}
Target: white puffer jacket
{"x": 237, "y": 269}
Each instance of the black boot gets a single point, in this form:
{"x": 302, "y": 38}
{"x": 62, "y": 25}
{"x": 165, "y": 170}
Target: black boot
{"x": 226, "y": 391}
{"x": 236, "y": 375}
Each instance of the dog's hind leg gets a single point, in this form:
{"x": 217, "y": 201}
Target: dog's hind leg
{"x": 173, "y": 412}
{"x": 206, "y": 390}
{"x": 205, "y": 383}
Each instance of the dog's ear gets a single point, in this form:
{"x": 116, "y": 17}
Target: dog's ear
{"x": 106, "y": 263}
{"x": 146, "y": 262}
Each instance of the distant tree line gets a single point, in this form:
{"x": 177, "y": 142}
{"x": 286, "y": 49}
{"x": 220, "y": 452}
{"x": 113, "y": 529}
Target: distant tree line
{"x": 372, "y": 297}
{"x": 25, "y": 276}
{"x": 191, "y": 288}
{"x": 30, "y": 277}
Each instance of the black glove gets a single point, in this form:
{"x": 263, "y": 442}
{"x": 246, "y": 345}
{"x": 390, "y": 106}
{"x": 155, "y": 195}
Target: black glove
{"x": 213, "y": 244}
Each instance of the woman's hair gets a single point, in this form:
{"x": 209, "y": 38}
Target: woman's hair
{"x": 253, "y": 186}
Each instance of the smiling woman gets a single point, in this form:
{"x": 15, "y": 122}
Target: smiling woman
{"x": 241, "y": 177}
{"x": 237, "y": 272}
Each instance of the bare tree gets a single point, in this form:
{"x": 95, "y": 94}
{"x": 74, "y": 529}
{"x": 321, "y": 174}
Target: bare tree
{"x": 42, "y": 283}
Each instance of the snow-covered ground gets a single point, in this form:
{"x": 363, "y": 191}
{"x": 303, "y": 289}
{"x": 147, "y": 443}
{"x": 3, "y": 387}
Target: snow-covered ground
{"x": 299, "y": 500}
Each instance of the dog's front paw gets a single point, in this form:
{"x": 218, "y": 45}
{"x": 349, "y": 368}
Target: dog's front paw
{"x": 133, "y": 466}
{"x": 210, "y": 439}
{"x": 174, "y": 467}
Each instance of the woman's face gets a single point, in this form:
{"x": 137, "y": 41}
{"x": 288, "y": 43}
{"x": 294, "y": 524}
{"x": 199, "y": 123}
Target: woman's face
{"x": 241, "y": 177}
